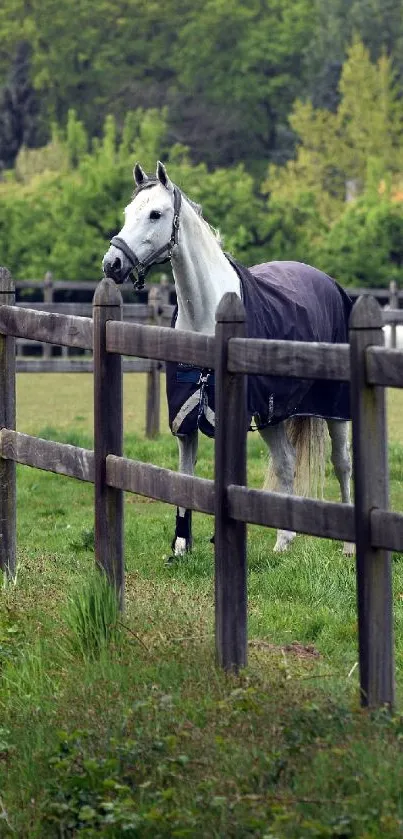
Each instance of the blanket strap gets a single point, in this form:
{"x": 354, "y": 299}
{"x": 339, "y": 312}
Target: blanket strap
{"x": 198, "y": 398}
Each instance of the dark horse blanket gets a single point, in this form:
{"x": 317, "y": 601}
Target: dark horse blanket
{"x": 283, "y": 301}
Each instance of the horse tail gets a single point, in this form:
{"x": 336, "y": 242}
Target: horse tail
{"x": 308, "y": 436}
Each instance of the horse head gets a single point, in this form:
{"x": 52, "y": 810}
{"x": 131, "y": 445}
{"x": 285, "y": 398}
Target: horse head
{"x": 150, "y": 230}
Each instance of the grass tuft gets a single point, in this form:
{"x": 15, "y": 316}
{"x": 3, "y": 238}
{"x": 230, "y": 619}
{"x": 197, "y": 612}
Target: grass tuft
{"x": 92, "y": 617}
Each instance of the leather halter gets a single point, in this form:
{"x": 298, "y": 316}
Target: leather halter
{"x": 141, "y": 266}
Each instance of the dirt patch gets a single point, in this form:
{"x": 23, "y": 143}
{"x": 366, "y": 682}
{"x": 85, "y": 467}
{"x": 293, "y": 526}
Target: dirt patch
{"x": 295, "y": 648}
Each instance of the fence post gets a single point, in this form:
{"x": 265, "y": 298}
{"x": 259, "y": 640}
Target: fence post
{"x": 371, "y": 487}
{"x": 108, "y": 436}
{"x": 7, "y": 420}
{"x": 394, "y": 304}
{"x": 165, "y": 292}
{"x": 47, "y": 298}
{"x": 164, "y": 289}
{"x": 154, "y": 376}
{"x": 230, "y": 468}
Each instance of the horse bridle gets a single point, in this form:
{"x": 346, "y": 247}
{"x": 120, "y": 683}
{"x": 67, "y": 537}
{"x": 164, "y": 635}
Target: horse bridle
{"x": 140, "y": 267}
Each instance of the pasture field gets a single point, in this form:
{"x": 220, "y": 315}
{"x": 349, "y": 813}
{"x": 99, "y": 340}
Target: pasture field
{"x": 129, "y": 729}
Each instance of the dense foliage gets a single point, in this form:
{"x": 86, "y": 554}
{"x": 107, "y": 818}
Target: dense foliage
{"x": 269, "y": 113}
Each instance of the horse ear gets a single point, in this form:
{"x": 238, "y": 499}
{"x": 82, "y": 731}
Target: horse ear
{"x": 139, "y": 175}
{"x": 162, "y": 176}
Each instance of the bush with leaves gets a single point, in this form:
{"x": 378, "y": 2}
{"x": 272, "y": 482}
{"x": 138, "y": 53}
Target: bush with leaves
{"x": 365, "y": 246}
{"x": 60, "y": 210}
{"x": 64, "y": 203}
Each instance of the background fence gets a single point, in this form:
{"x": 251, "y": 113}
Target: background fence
{"x": 365, "y": 362}
{"x": 155, "y": 305}
{"x": 35, "y": 356}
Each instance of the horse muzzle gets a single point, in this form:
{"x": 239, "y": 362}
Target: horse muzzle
{"x": 116, "y": 268}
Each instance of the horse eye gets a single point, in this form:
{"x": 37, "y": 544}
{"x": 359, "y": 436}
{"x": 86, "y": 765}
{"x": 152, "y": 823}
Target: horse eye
{"x": 155, "y": 214}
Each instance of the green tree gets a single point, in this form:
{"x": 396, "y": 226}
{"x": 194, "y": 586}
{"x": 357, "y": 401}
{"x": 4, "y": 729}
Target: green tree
{"x": 246, "y": 59}
{"x": 104, "y": 58}
{"x": 63, "y": 204}
{"x": 370, "y": 115}
{"x": 19, "y": 108}
{"x": 379, "y": 24}
{"x": 365, "y": 246}
{"x": 335, "y": 147}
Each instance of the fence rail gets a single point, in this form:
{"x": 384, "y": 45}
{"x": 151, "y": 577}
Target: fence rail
{"x": 158, "y": 308}
{"x": 49, "y": 288}
{"x": 369, "y": 523}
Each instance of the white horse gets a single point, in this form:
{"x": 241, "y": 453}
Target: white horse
{"x": 161, "y": 223}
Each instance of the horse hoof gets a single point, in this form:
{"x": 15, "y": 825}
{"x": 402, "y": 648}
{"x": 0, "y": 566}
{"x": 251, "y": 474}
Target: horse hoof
{"x": 349, "y": 549}
{"x": 280, "y": 548}
{"x": 283, "y": 541}
{"x": 181, "y": 546}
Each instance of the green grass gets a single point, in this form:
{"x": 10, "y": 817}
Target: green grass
{"x": 143, "y": 736}
{"x": 92, "y": 616}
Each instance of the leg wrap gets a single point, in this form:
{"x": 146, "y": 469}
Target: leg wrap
{"x": 183, "y": 528}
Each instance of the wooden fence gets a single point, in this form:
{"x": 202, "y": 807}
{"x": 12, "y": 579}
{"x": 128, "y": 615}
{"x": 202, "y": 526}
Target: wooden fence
{"x": 153, "y": 308}
{"x": 156, "y": 309}
{"x": 50, "y": 290}
{"x": 365, "y": 362}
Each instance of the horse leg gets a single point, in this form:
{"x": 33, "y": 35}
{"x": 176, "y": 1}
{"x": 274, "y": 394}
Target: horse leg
{"x": 182, "y": 540}
{"x": 338, "y": 430}
{"x": 283, "y": 457}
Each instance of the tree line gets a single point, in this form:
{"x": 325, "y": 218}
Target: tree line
{"x": 229, "y": 71}
{"x": 269, "y": 113}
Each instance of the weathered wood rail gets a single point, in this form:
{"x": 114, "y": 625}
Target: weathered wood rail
{"x": 365, "y": 362}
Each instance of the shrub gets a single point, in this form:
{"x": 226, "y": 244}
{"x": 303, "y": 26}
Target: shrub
{"x": 365, "y": 246}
